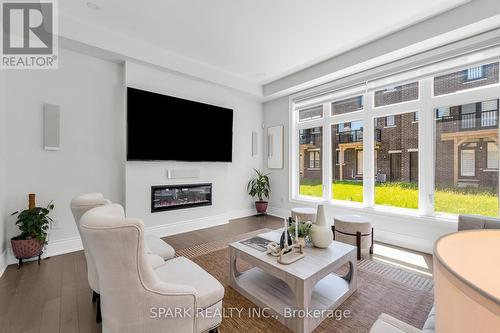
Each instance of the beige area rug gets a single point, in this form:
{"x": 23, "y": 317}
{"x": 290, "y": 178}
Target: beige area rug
{"x": 381, "y": 288}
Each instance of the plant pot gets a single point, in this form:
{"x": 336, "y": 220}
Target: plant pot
{"x": 261, "y": 206}
{"x": 26, "y": 248}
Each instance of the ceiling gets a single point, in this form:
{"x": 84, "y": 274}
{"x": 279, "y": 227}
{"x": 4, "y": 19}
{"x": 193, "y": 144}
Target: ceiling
{"x": 257, "y": 40}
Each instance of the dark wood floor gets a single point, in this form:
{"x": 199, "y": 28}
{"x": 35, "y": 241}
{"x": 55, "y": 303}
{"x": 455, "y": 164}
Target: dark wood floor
{"x": 55, "y": 296}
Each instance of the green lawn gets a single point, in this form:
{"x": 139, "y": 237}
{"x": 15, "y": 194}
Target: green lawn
{"x": 455, "y": 201}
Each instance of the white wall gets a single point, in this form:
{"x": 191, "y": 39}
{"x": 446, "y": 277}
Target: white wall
{"x": 229, "y": 179}
{"x": 3, "y": 185}
{"x": 90, "y": 92}
{"x": 457, "y": 18}
{"x": 412, "y": 231}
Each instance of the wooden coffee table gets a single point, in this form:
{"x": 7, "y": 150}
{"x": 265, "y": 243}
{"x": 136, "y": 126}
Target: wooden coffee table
{"x": 299, "y": 295}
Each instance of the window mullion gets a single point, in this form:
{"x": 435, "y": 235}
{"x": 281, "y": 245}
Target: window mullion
{"x": 327, "y": 153}
{"x": 368, "y": 153}
{"x": 426, "y": 139}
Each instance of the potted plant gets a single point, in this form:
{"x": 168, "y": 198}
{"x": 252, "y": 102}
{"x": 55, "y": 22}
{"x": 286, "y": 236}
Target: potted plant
{"x": 259, "y": 187}
{"x": 303, "y": 233}
{"x": 33, "y": 224}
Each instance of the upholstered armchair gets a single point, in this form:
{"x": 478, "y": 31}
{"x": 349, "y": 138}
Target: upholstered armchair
{"x": 158, "y": 251}
{"x": 178, "y": 296}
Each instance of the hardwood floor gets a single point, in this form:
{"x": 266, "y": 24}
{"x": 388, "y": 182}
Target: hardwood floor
{"x": 55, "y": 296}
{"x": 235, "y": 227}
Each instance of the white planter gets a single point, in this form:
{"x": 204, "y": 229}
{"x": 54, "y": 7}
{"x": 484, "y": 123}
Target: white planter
{"x": 321, "y": 233}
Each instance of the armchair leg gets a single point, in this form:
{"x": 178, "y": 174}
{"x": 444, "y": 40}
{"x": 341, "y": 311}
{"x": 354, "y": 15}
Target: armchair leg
{"x": 371, "y": 247}
{"x": 214, "y": 330}
{"x": 98, "y": 317}
{"x": 95, "y": 296}
{"x": 333, "y": 230}
{"x": 358, "y": 244}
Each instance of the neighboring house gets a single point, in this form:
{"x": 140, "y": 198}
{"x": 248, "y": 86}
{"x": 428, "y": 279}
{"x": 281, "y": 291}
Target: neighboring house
{"x": 466, "y": 137}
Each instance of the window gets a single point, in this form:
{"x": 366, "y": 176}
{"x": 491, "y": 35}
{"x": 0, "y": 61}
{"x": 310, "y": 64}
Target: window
{"x": 442, "y": 112}
{"x": 464, "y": 149}
{"x": 390, "y": 121}
{"x": 492, "y": 159}
{"x": 314, "y": 162}
{"x": 467, "y": 164}
{"x": 467, "y": 78}
{"x": 347, "y": 105}
{"x": 461, "y": 131}
{"x": 310, "y": 168}
{"x": 475, "y": 73}
{"x": 395, "y": 167}
{"x": 311, "y": 113}
{"x": 347, "y": 169}
{"x": 398, "y": 94}
{"x": 489, "y": 113}
{"x": 468, "y": 116}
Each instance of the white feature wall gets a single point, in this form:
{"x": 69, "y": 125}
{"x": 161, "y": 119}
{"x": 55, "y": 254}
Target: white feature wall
{"x": 3, "y": 185}
{"x": 229, "y": 180}
{"x": 90, "y": 93}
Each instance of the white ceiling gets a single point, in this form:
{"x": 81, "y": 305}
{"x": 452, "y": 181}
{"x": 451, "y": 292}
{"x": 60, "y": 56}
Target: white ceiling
{"x": 258, "y": 40}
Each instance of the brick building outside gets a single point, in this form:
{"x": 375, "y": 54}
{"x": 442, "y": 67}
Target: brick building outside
{"x": 466, "y": 137}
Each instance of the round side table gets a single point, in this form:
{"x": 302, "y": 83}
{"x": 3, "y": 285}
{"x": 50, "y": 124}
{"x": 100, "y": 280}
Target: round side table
{"x": 355, "y": 230}
{"x": 304, "y": 214}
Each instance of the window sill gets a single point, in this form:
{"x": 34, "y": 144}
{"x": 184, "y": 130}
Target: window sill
{"x": 314, "y": 169}
{"x": 390, "y": 126}
{"x": 358, "y": 207}
{"x": 490, "y": 170}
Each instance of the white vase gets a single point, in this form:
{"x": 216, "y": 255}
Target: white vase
{"x": 321, "y": 233}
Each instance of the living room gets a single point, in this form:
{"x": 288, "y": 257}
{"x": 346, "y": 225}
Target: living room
{"x": 272, "y": 167}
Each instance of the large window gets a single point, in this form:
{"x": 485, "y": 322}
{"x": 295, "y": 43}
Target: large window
{"x": 347, "y": 171}
{"x": 396, "y": 156}
{"x": 425, "y": 140}
{"x": 466, "y": 174}
{"x": 310, "y": 172}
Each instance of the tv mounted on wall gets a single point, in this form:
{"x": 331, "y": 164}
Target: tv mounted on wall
{"x": 161, "y": 128}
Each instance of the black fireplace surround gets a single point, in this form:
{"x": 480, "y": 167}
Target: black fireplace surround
{"x": 170, "y": 197}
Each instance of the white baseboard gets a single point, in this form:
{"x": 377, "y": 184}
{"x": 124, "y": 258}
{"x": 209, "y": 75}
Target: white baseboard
{"x": 279, "y": 212}
{"x": 67, "y": 245}
{"x": 196, "y": 224}
{"x": 53, "y": 248}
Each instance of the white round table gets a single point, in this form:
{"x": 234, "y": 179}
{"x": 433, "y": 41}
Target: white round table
{"x": 355, "y": 230}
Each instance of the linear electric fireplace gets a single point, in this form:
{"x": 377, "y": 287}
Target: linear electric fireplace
{"x": 168, "y": 197}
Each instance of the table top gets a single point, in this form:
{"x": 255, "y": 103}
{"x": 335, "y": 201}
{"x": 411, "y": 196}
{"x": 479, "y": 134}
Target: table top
{"x": 472, "y": 257}
{"x": 304, "y": 210}
{"x": 315, "y": 260}
{"x": 352, "y": 218}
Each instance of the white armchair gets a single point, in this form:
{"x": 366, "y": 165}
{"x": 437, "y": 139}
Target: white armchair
{"x": 176, "y": 297}
{"x": 158, "y": 251}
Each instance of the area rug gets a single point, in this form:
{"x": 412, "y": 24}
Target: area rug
{"x": 377, "y": 293}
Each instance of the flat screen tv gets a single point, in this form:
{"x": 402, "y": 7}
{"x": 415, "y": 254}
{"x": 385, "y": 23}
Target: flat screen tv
{"x": 161, "y": 128}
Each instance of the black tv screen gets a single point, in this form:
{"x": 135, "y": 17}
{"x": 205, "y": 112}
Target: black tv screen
{"x": 161, "y": 127}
